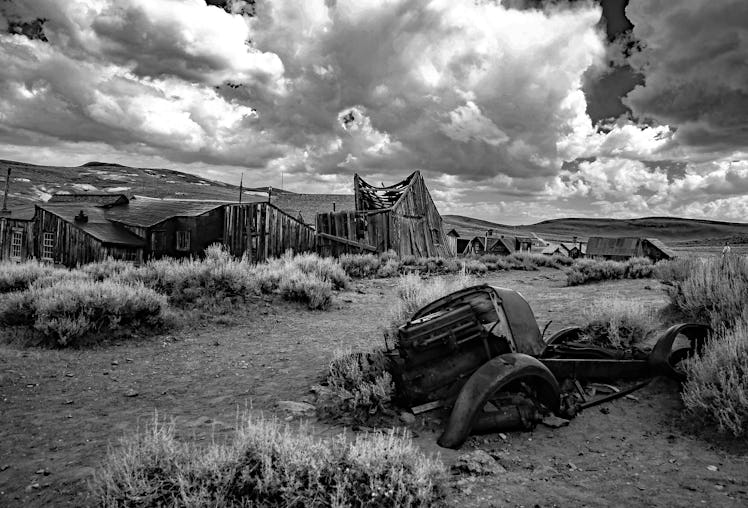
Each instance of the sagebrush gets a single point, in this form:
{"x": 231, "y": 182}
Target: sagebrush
{"x": 618, "y": 323}
{"x": 266, "y": 464}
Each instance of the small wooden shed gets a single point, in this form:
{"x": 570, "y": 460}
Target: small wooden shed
{"x": 401, "y": 217}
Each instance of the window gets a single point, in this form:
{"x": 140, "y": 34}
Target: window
{"x": 48, "y": 247}
{"x": 16, "y": 244}
{"x": 183, "y": 240}
{"x": 158, "y": 241}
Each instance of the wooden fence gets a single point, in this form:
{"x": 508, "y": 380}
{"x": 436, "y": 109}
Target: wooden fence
{"x": 261, "y": 231}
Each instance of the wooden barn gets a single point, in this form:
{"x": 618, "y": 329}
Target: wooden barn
{"x": 623, "y": 248}
{"x": 17, "y": 233}
{"x": 401, "y": 217}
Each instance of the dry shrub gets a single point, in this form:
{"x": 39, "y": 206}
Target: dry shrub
{"x": 297, "y": 286}
{"x": 717, "y": 387}
{"x": 585, "y": 271}
{"x": 20, "y": 276}
{"x": 671, "y": 271}
{"x": 391, "y": 268}
{"x": 715, "y": 291}
{"x": 413, "y": 293}
{"x": 266, "y": 464}
{"x": 618, "y": 323}
{"x": 269, "y": 275}
{"x": 101, "y": 270}
{"x": 473, "y": 266}
{"x": 70, "y": 311}
{"x": 360, "y": 265}
{"x": 357, "y": 385}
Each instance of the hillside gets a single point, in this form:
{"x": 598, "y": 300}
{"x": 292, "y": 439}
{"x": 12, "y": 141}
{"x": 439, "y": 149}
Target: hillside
{"x": 33, "y": 183}
{"x": 672, "y": 230}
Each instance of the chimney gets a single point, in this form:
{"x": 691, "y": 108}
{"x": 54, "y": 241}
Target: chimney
{"x": 81, "y": 217}
{"x": 5, "y": 210}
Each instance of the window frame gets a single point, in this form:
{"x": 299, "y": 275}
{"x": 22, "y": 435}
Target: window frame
{"x": 183, "y": 239}
{"x": 48, "y": 246}
{"x": 16, "y": 243}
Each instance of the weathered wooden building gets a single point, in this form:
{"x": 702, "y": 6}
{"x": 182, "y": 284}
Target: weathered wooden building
{"x": 401, "y": 217}
{"x": 71, "y": 231}
{"x": 500, "y": 245}
{"x": 623, "y": 248}
{"x": 77, "y": 233}
{"x": 17, "y": 233}
{"x": 261, "y": 230}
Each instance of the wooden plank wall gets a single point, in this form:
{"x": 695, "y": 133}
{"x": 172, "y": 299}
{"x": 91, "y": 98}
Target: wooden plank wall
{"x": 371, "y": 228}
{"x": 7, "y": 226}
{"x": 262, "y": 231}
{"x": 419, "y": 224}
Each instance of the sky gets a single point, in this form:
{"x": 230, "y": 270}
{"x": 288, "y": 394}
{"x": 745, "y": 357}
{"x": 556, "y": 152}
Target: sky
{"x": 515, "y": 111}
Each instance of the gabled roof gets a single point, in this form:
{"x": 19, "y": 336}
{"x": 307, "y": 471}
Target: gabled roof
{"x": 90, "y": 197}
{"x": 453, "y": 232}
{"x": 506, "y": 242}
{"x": 145, "y": 212}
{"x": 551, "y": 248}
{"x": 97, "y": 224}
{"x": 369, "y": 197}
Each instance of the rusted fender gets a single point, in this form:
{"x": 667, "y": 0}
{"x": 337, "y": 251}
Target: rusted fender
{"x": 564, "y": 335}
{"x": 491, "y": 378}
{"x": 662, "y": 360}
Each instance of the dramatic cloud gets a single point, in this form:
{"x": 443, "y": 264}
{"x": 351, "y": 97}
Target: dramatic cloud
{"x": 487, "y": 98}
{"x": 696, "y": 69}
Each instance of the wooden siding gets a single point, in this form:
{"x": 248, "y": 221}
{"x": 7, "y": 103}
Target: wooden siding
{"x": 72, "y": 246}
{"x": 7, "y": 227}
{"x": 421, "y": 231}
{"x": 261, "y": 231}
{"x": 370, "y": 230}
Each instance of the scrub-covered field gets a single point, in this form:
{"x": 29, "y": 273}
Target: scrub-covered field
{"x": 62, "y": 409}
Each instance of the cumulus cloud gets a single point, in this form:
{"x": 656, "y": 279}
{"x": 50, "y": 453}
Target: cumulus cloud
{"x": 694, "y": 63}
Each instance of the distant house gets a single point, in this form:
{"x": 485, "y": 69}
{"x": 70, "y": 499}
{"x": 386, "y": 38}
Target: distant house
{"x": 556, "y": 249}
{"x": 401, "y": 217}
{"x": 500, "y": 245}
{"x": 622, "y": 248}
{"x": 452, "y": 238}
{"x": 523, "y": 243}
{"x": 17, "y": 233}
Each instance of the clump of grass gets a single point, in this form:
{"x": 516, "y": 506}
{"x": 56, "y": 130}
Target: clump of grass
{"x": 715, "y": 390}
{"x": 105, "y": 269}
{"x": 585, "y": 271}
{"x": 414, "y": 292}
{"x": 671, "y": 271}
{"x": 269, "y": 274}
{"x": 267, "y": 464}
{"x": 474, "y": 266}
{"x": 618, "y": 323}
{"x": 715, "y": 291}
{"x": 360, "y": 265}
{"x": 357, "y": 385}
{"x": 70, "y": 311}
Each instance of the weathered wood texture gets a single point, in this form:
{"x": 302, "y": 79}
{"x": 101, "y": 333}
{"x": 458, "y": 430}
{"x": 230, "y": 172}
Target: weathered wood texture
{"x": 261, "y": 231}
{"x": 410, "y": 224}
{"x": 25, "y": 229}
{"x": 72, "y": 246}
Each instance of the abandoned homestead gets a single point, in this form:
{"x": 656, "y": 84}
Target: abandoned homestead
{"x": 82, "y": 228}
{"x": 626, "y": 247}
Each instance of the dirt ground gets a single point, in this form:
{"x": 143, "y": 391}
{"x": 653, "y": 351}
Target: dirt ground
{"x": 61, "y": 409}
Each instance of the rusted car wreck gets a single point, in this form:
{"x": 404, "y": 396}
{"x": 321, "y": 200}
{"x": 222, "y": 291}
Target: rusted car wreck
{"x": 480, "y": 351}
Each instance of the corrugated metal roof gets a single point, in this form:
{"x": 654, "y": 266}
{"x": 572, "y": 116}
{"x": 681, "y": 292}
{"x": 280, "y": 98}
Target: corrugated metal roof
{"x": 149, "y": 212}
{"x": 97, "y": 225}
{"x": 621, "y": 246}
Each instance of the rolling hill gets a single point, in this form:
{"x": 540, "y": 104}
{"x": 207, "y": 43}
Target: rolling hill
{"x": 31, "y": 183}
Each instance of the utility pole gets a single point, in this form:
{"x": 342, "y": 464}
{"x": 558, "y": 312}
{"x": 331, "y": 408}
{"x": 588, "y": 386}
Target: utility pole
{"x": 5, "y": 210}
{"x": 241, "y": 190}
